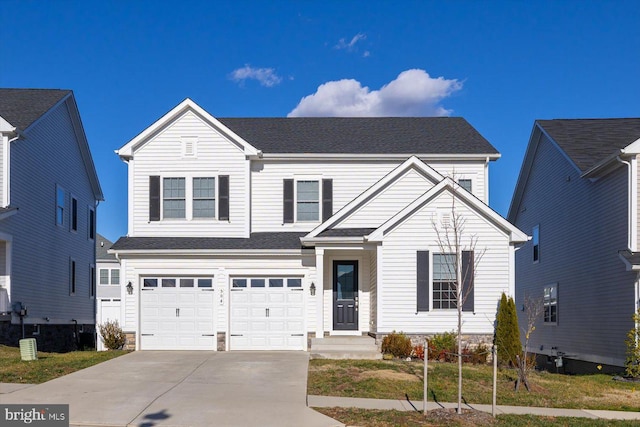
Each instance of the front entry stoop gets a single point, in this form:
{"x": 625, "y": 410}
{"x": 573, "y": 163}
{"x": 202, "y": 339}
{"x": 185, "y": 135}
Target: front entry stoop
{"x": 345, "y": 347}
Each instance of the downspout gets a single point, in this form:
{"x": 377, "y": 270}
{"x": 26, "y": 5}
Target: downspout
{"x": 6, "y": 164}
{"x": 631, "y": 221}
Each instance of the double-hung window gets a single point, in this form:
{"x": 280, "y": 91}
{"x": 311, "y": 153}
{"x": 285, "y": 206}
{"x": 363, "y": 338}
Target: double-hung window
{"x": 109, "y": 276}
{"x": 173, "y": 198}
{"x": 550, "y": 304}
{"x": 204, "y": 197}
{"x": 308, "y": 201}
{"x": 444, "y": 281}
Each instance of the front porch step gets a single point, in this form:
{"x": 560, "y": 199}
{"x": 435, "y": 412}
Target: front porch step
{"x": 345, "y": 347}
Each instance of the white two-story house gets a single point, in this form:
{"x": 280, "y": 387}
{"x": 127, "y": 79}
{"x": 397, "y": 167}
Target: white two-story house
{"x": 259, "y": 233}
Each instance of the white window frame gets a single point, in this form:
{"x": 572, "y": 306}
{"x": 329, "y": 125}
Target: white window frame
{"x": 59, "y": 218}
{"x": 550, "y": 301}
{"x": 470, "y": 181}
{"x": 306, "y": 178}
{"x": 109, "y": 276}
{"x": 433, "y": 281}
{"x": 177, "y": 281}
{"x": 188, "y": 190}
{"x": 535, "y": 241}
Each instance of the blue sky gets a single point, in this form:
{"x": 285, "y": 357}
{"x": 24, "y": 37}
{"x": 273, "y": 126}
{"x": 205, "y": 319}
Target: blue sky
{"x": 499, "y": 64}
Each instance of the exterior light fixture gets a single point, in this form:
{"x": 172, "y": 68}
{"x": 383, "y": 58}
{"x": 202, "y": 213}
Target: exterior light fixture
{"x": 312, "y": 288}
{"x": 129, "y": 288}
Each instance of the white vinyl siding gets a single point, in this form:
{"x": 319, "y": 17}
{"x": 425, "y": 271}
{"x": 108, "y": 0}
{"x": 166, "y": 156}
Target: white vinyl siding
{"x": 350, "y": 179}
{"x": 215, "y": 156}
{"x": 389, "y": 201}
{"x": 397, "y": 272}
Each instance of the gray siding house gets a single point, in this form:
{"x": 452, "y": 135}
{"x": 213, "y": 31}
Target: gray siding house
{"x": 48, "y": 199}
{"x": 577, "y": 197}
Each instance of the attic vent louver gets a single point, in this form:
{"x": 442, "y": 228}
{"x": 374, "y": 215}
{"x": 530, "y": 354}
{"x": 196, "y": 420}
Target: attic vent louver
{"x": 189, "y": 146}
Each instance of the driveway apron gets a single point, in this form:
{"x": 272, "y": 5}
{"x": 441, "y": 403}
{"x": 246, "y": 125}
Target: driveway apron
{"x": 184, "y": 388}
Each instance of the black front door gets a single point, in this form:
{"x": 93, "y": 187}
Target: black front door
{"x": 345, "y": 295}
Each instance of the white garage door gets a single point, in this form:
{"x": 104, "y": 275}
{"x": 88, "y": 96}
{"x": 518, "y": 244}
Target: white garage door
{"x": 108, "y": 310}
{"x": 267, "y": 314}
{"x": 177, "y": 314}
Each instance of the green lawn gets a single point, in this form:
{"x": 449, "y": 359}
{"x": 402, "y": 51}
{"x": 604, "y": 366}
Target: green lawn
{"x": 48, "y": 366}
{"x": 394, "y": 379}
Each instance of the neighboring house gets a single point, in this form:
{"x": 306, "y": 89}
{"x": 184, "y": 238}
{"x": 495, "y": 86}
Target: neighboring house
{"x": 259, "y": 233}
{"x": 49, "y": 192}
{"x": 108, "y": 288}
{"x": 577, "y": 196}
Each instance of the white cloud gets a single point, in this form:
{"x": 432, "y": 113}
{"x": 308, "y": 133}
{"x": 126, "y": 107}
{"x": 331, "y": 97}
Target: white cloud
{"x": 265, "y": 76}
{"x": 412, "y": 93}
{"x": 350, "y": 45}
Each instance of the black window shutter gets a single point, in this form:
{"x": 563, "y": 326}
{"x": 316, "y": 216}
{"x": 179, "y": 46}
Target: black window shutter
{"x": 154, "y": 198}
{"x": 327, "y": 199}
{"x": 287, "y": 204}
{"x": 422, "y": 282}
{"x": 467, "y": 280}
{"x": 223, "y": 197}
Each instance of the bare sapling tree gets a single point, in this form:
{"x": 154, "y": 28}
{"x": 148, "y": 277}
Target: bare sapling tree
{"x": 533, "y": 309}
{"x": 453, "y": 241}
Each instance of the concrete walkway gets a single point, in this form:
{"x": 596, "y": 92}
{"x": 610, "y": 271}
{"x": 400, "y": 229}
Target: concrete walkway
{"x": 183, "y": 388}
{"x": 404, "y": 405}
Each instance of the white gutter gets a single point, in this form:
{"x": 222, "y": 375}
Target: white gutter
{"x": 200, "y": 252}
{"x": 632, "y": 204}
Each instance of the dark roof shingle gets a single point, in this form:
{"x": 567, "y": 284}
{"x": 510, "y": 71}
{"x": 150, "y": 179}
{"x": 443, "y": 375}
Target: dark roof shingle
{"x": 589, "y": 141}
{"x": 358, "y": 135}
{"x": 289, "y": 240}
{"x": 22, "y": 107}
{"x": 346, "y": 232}
{"x": 102, "y": 246}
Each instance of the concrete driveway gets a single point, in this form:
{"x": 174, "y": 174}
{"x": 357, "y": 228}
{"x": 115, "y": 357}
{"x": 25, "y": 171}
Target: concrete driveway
{"x": 184, "y": 388}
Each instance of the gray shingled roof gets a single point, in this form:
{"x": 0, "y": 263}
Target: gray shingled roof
{"x": 102, "y": 246}
{"x": 22, "y": 107}
{"x": 589, "y": 141}
{"x": 347, "y": 232}
{"x": 287, "y": 240}
{"x": 357, "y": 135}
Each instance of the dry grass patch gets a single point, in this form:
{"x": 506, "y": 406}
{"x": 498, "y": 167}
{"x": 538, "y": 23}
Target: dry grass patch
{"x": 388, "y": 374}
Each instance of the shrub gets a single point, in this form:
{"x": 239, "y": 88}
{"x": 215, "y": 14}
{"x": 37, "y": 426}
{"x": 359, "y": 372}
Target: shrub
{"x": 418, "y": 352}
{"x": 397, "y": 344}
{"x": 476, "y": 356}
{"x": 112, "y": 335}
{"x": 632, "y": 363}
{"x": 507, "y": 334}
{"x": 443, "y": 347}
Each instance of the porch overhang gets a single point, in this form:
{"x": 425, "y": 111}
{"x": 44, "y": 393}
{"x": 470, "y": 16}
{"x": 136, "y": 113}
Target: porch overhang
{"x": 631, "y": 259}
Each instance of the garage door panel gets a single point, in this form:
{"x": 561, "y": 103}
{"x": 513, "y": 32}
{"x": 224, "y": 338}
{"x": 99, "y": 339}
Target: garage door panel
{"x": 267, "y": 318}
{"x": 177, "y": 318}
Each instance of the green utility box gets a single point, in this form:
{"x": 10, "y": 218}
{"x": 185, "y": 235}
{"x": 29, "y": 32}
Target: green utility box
{"x": 28, "y": 349}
